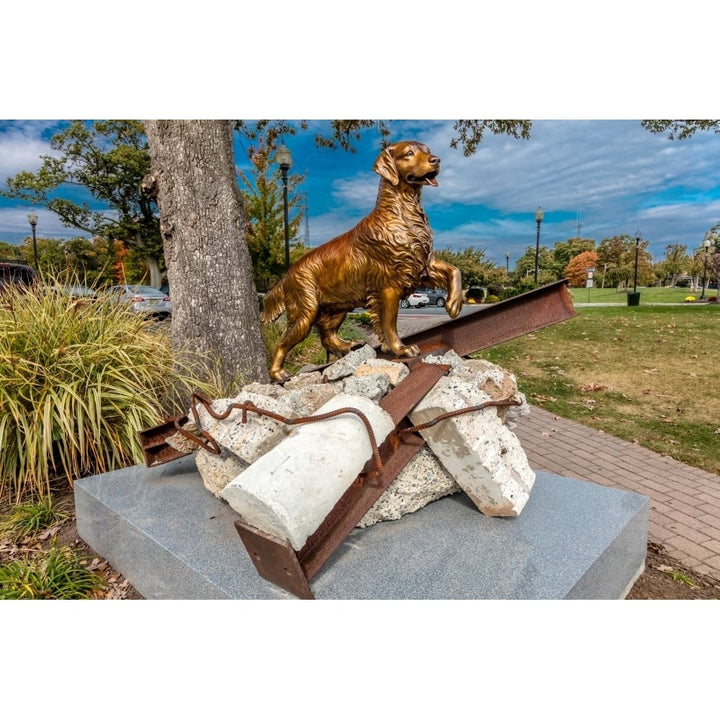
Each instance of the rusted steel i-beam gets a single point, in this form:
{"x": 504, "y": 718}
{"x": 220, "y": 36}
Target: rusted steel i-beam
{"x": 274, "y": 558}
{"x": 497, "y": 323}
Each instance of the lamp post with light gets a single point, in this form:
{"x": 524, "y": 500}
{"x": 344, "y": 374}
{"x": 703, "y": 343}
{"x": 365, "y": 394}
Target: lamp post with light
{"x": 706, "y": 245}
{"x": 284, "y": 160}
{"x": 33, "y": 218}
{"x": 507, "y": 264}
{"x": 539, "y": 215}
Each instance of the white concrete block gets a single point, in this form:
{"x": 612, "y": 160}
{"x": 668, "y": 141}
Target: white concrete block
{"x": 484, "y": 457}
{"x": 289, "y": 491}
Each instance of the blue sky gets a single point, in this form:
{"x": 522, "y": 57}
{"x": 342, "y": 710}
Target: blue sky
{"x": 612, "y": 176}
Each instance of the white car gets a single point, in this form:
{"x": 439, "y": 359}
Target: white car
{"x": 415, "y": 299}
{"x": 143, "y": 299}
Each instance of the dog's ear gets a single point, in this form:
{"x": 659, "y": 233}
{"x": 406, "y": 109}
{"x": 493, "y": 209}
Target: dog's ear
{"x": 385, "y": 166}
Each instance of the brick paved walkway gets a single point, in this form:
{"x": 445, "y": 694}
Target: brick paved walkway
{"x": 684, "y": 501}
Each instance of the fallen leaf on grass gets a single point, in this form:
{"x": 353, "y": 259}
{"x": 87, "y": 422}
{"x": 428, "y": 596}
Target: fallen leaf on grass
{"x": 593, "y": 387}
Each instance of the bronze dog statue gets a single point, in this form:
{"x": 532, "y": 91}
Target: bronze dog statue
{"x": 381, "y": 260}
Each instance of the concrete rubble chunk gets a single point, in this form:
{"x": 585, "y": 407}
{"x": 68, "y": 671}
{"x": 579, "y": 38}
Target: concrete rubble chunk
{"x": 301, "y": 380}
{"x": 304, "y": 400}
{"x": 290, "y": 490}
{"x": 252, "y": 439}
{"x": 396, "y": 371}
{"x": 348, "y": 364}
{"x": 374, "y": 387}
{"x": 217, "y": 471}
{"x": 422, "y": 481}
{"x": 483, "y": 455}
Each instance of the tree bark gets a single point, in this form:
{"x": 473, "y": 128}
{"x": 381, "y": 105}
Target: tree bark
{"x": 202, "y": 222}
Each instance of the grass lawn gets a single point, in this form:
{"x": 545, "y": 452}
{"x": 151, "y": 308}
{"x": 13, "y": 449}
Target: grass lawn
{"x": 645, "y": 374}
{"x": 647, "y": 295}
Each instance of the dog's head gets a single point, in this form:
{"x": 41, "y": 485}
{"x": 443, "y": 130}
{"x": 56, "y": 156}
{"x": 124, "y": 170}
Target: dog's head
{"x": 408, "y": 162}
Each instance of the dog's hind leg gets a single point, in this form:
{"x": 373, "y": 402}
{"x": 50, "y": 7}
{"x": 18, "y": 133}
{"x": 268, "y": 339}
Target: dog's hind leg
{"x": 328, "y": 326}
{"x": 294, "y": 334}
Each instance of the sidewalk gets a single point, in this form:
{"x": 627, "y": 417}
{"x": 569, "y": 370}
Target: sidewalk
{"x": 684, "y": 500}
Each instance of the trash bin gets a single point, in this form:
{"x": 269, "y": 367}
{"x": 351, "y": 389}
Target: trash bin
{"x": 633, "y": 298}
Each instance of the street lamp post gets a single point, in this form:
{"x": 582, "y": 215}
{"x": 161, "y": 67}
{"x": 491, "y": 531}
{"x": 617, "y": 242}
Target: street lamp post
{"x": 637, "y": 248}
{"x": 539, "y": 215}
{"x": 706, "y": 245}
{"x": 284, "y": 160}
{"x": 507, "y": 263}
{"x": 33, "y": 218}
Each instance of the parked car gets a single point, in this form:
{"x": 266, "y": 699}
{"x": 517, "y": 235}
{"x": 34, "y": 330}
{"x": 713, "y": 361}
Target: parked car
{"x": 16, "y": 272}
{"x": 74, "y": 291}
{"x": 436, "y": 296}
{"x": 143, "y": 299}
{"x": 415, "y": 299}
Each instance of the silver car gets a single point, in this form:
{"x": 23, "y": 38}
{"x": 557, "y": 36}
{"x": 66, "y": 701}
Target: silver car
{"x": 143, "y": 299}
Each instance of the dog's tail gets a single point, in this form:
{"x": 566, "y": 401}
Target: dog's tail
{"x": 273, "y": 303}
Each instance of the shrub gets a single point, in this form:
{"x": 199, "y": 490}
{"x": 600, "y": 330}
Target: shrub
{"x": 690, "y": 299}
{"x": 28, "y": 519}
{"x": 714, "y": 298}
{"x": 78, "y": 379}
{"x": 492, "y": 299}
{"x": 58, "y": 574}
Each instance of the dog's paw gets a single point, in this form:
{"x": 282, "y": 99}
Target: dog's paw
{"x": 409, "y": 351}
{"x": 280, "y": 376}
{"x": 453, "y": 307}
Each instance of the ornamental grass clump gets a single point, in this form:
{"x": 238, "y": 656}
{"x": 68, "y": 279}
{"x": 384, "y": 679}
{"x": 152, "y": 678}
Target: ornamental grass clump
{"x": 78, "y": 379}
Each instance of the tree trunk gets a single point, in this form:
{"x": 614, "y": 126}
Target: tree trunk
{"x": 156, "y": 274}
{"x": 202, "y": 222}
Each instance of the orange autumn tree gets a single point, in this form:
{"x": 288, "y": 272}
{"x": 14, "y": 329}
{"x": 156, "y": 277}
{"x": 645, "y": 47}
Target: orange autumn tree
{"x": 576, "y": 270}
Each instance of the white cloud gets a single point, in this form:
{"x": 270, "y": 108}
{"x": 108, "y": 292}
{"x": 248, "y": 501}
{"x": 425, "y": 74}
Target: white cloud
{"x": 21, "y": 145}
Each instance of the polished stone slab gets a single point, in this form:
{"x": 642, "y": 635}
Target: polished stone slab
{"x": 172, "y": 539}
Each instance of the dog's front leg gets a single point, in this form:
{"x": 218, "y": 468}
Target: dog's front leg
{"x": 451, "y": 279}
{"x": 389, "y": 302}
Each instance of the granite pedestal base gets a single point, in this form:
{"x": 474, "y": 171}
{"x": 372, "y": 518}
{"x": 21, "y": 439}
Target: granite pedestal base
{"x": 172, "y": 539}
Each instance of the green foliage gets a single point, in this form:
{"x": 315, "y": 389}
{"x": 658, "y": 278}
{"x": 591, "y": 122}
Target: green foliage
{"x": 469, "y": 133}
{"x": 28, "y": 519}
{"x": 548, "y": 268}
{"x": 109, "y": 159}
{"x": 345, "y": 134}
{"x": 475, "y": 268}
{"x": 78, "y": 380}
{"x": 616, "y": 259}
{"x": 677, "y": 576}
{"x": 264, "y": 207}
{"x": 58, "y": 574}
{"x": 681, "y": 129}
{"x": 677, "y": 261}
{"x": 564, "y": 252}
